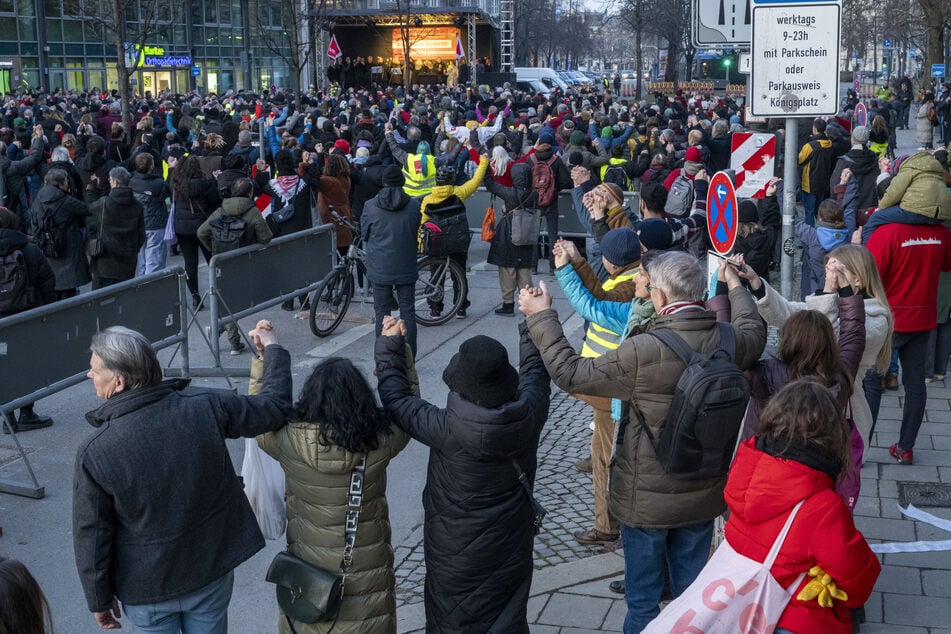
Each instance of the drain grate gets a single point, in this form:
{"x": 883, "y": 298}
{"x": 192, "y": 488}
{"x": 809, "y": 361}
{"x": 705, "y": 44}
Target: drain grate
{"x": 924, "y": 494}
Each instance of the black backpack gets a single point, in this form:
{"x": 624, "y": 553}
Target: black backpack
{"x": 16, "y": 292}
{"x": 447, "y": 230}
{"x": 705, "y": 415}
{"x": 49, "y": 236}
{"x": 226, "y": 233}
{"x": 616, "y": 174}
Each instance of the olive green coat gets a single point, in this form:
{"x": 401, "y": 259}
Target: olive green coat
{"x": 318, "y": 479}
{"x": 919, "y": 187}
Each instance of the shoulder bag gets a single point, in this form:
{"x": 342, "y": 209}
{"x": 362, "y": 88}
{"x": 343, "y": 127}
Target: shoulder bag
{"x": 307, "y": 593}
{"x": 94, "y": 245}
{"x": 765, "y": 599}
{"x": 526, "y": 225}
{"x": 286, "y": 212}
{"x": 538, "y": 511}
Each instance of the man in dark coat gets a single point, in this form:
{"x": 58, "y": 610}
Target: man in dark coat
{"x": 389, "y": 228}
{"x": 39, "y": 290}
{"x": 68, "y": 215}
{"x": 116, "y": 232}
{"x": 479, "y": 515}
{"x": 160, "y": 520}
{"x": 13, "y": 172}
{"x": 94, "y": 163}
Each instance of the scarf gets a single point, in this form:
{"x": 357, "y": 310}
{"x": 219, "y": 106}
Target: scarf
{"x": 285, "y": 187}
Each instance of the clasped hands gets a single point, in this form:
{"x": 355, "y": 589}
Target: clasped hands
{"x": 532, "y": 300}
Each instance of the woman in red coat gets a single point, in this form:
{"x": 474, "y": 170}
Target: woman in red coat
{"x": 800, "y": 449}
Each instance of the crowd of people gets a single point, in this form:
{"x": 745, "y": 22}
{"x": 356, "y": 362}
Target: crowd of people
{"x": 92, "y": 201}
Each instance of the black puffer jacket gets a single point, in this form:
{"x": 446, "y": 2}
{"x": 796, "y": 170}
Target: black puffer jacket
{"x": 94, "y": 164}
{"x": 151, "y": 191}
{"x": 71, "y": 270}
{"x": 137, "y": 535}
{"x": 478, "y": 528}
{"x": 389, "y": 227}
{"x": 366, "y": 181}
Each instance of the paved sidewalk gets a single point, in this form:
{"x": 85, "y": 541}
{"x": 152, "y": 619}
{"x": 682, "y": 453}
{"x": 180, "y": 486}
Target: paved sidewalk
{"x": 913, "y": 593}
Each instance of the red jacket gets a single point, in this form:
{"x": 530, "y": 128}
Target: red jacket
{"x": 760, "y": 492}
{"x": 910, "y": 258}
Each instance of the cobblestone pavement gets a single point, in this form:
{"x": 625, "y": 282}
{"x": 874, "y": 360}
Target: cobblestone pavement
{"x": 564, "y": 492}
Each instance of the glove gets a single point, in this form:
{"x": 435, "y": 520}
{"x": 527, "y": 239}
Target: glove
{"x": 822, "y": 588}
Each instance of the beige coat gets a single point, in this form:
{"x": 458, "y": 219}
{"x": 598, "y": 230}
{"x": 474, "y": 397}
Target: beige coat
{"x": 644, "y": 371}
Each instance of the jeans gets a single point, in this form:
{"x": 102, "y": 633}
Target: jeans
{"x": 872, "y": 386}
{"x": 204, "y": 611}
{"x": 685, "y": 549}
{"x": 912, "y": 352}
{"x": 153, "y": 254}
{"x": 406, "y": 297}
{"x": 810, "y": 204}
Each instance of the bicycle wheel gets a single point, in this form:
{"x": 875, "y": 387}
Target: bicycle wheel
{"x": 330, "y": 302}
{"x": 440, "y": 291}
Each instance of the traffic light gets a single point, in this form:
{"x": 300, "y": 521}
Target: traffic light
{"x": 726, "y": 62}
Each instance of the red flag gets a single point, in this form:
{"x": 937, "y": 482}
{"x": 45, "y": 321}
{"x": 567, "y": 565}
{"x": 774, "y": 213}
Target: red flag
{"x": 333, "y": 50}
{"x": 459, "y": 51}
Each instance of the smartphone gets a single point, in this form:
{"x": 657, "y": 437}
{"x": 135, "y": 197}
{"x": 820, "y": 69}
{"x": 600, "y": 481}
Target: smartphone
{"x": 741, "y": 269}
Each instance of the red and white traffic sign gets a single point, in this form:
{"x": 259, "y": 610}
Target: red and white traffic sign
{"x": 722, "y": 213}
{"x": 753, "y": 159}
{"x": 860, "y": 114}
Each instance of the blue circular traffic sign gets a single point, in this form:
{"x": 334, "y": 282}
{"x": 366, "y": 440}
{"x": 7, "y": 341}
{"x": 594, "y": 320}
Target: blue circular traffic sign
{"x": 721, "y": 213}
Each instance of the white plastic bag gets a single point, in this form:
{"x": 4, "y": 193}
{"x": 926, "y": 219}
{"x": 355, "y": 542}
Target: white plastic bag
{"x": 264, "y": 486}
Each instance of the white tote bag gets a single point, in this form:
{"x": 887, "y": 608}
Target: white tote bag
{"x": 733, "y": 593}
{"x": 264, "y": 486}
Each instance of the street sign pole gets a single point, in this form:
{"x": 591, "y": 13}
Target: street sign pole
{"x": 789, "y": 206}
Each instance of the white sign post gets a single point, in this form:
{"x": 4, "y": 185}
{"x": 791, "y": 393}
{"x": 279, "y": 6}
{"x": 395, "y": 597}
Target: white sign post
{"x": 795, "y": 58}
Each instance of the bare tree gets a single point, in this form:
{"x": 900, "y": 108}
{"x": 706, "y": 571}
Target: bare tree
{"x": 532, "y": 32}
{"x": 937, "y": 24}
{"x": 289, "y": 33}
{"x": 411, "y": 30}
{"x": 670, "y": 20}
{"x": 129, "y": 24}
{"x": 634, "y": 15}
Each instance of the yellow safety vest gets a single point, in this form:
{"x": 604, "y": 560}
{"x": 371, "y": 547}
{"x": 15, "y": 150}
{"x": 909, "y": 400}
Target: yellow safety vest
{"x": 614, "y": 161}
{"x": 599, "y": 340}
{"x": 420, "y": 174}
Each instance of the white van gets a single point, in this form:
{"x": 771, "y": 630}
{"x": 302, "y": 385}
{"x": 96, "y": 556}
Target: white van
{"x": 546, "y": 75}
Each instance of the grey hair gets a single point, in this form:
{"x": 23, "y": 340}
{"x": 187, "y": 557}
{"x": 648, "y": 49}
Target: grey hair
{"x": 680, "y": 276}
{"x": 413, "y": 133}
{"x": 56, "y": 177}
{"x": 129, "y": 354}
{"x": 120, "y": 175}
{"x": 721, "y": 127}
{"x": 60, "y": 154}
{"x": 244, "y": 137}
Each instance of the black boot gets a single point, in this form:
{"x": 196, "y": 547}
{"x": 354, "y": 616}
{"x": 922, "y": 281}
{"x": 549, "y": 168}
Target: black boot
{"x": 197, "y": 304}
{"x": 30, "y": 420}
{"x": 506, "y": 309}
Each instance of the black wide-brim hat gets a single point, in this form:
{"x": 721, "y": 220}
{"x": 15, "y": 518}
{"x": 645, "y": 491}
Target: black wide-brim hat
{"x": 480, "y": 372}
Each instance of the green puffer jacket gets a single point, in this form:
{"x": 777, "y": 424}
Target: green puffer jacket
{"x": 645, "y": 371}
{"x": 919, "y": 187}
{"x": 318, "y": 478}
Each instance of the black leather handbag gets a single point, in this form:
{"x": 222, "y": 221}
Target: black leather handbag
{"x": 307, "y": 593}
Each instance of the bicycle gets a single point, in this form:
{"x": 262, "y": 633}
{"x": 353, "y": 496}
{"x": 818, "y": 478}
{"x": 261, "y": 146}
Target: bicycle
{"x": 439, "y": 277}
{"x": 332, "y": 298}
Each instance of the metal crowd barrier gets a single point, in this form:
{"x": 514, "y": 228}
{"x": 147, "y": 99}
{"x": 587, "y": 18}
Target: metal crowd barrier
{"x": 248, "y": 280}
{"x": 46, "y": 350}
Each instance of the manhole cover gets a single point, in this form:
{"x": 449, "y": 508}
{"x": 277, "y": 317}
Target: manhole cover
{"x": 924, "y": 494}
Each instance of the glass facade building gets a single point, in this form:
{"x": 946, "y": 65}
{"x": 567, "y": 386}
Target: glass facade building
{"x": 214, "y": 45}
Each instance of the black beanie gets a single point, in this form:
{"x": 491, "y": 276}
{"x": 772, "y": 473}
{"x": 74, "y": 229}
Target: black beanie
{"x": 393, "y": 176}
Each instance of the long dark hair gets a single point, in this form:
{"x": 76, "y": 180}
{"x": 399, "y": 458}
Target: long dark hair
{"x": 187, "y": 169}
{"x": 23, "y": 607}
{"x": 806, "y": 411}
{"x": 807, "y": 345}
{"x": 338, "y": 398}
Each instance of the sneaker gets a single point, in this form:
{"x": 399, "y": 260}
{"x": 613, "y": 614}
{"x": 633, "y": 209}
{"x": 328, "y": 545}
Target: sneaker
{"x": 903, "y": 457}
{"x": 461, "y": 313}
{"x": 238, "y": 349}
{"x": 594, "y": 537}
{"x": 617, "y": 586}
{"x": 288, "y": 305}
{"x": 505, "y": 309}
{"x": 891, "y": 381}
{"x": 584, "y": 465}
